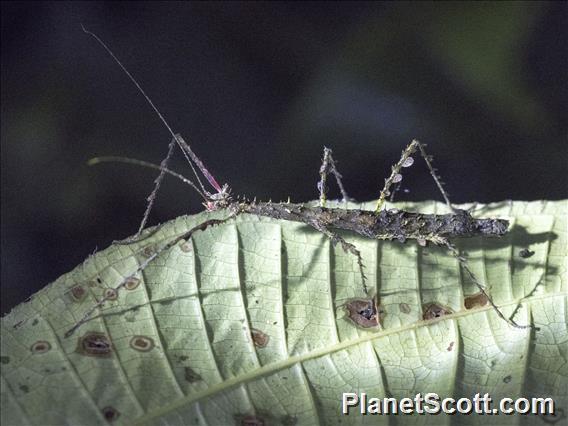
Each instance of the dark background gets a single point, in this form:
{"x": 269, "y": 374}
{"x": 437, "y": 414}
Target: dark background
{"x": 259, "y": 89}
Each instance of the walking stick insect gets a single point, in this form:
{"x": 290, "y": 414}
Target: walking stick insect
{"x": 380, "y": 224}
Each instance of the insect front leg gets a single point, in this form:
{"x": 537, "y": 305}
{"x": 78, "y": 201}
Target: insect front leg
{"x": 151, "y": 198}
{"x": 328, "y": 166}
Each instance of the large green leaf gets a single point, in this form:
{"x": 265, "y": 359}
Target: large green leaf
{"x": 195, "y": 362}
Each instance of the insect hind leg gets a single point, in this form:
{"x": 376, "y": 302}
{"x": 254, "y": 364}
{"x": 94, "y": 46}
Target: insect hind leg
{"x": 328, "y": 166}
{"x": 464, "y": 264}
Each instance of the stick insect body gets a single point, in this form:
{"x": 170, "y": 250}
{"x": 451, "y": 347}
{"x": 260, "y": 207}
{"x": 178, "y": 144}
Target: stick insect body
{"x": 381, "y": 224}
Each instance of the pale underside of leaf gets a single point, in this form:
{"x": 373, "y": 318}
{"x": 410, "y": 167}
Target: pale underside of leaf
{"x": 200, "y": 304}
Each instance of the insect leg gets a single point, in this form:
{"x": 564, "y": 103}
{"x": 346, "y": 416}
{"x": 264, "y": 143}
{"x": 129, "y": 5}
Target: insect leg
{"x": 163, "y": 170}
{"x": 152, "y": 197}
{"x": 406, "y": 161}
{"x": 328, "y": 166}
{"x": 428, "y": 159}
{"x": 347, "y": 247}
{"x": 201, "y": 227}
{"x": 463, "y": 262}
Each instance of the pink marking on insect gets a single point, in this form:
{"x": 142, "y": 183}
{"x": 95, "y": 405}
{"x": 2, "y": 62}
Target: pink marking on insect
{"x": 206, "y": 173}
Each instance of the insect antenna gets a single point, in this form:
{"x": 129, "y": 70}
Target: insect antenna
{"x": 186, "y": 150}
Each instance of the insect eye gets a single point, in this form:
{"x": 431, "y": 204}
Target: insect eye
{"x": 408, "y": 162}
{"x": 397, "y": 178}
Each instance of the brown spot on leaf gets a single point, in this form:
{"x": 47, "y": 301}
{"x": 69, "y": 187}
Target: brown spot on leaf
{"x": 4, "y": 359}
{"x": 40, "y": 347}
{"x": 149, "y": 250}
{"x": 131, "y": 283}
{"x": 404, "y": 308}
{"x": 142, "y": 343}
{"x": 433, "y": 310}
{"x": 250, "y": 420}
{"x": 78, "y": 293}
{"x": 259, "y": 338}
{"x": 185, "y": 246}
{"x": 94, "y": 344}
{"x": 476, "y": 300}
{"x": 110, "y": 414}
{"x": 289, "y": 420}
{"x": 451, "y": 346}
{"x": 526, "y": 253}
{"x": 191, "y": 375}
{"x": 110, "y": 294}
{"x": 364, "y": 312}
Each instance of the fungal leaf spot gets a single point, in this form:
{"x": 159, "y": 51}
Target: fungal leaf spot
{"x": 289, "y": 420}
{"x": 433, "y": 310}
{"x": 110, "y": 414}
{"x": 364, "y": 312}
{"x": 142, "y": 343}
{"x": 191, "y": 375}
{"x": 250, "y": 420}
{"x": 94, "y": 344}
{"x": 149, "y": 251}
{"x": 404, "y": 308}
{"x": 40, "y": 347}
{"x": 185, "y": 246}
{"x": 259, "y": 338}
{"x": 110, "y": 294}
{"x": 131, "y": 283}
{"x": 476, "y": 300}
{"x": 78, "y": 293}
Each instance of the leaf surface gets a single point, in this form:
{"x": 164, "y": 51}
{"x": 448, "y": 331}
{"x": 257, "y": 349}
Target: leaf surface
{"x": 247, "y": 322}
